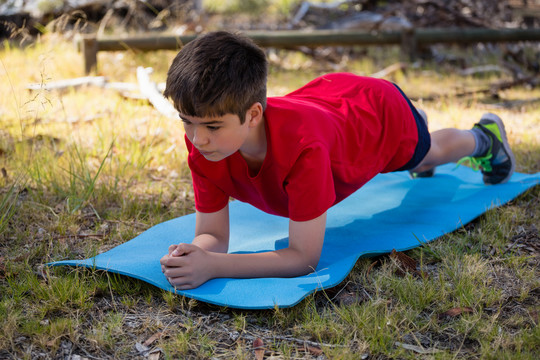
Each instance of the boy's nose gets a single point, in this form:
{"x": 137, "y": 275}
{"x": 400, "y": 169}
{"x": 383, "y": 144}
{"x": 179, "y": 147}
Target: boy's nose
{"x": 199, "y": 137}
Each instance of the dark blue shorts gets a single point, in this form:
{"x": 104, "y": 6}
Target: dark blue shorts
{"x": 424, "y": 139}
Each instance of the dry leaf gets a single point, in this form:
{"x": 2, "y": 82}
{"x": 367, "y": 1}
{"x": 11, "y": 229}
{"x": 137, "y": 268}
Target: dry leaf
{"x": 141, "y": 348}
{"x": 313, "y": 350}
{"x": 373, "y": 264}
{"x": 456, "y": 312}
{"x": 405, "y": 261}
{"x": 348, "y": 298}
{"x": 534, "y": 315}
{"x": 258, "y": 346}
{"x": 51, "y": 342}
{"x": 153, "y": 338}
{"x": 77, "y": 357}
{"x": 154, "y": 355}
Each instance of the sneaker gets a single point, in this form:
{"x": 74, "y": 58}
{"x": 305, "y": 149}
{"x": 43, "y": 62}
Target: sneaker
{"x": 499, "y": 163}
{"x": 427, "y": 173}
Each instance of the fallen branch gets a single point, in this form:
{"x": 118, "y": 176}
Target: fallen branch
{"x": 63, "y": 84}
{"x": 306, "y": 5}
{"x": 493, "y": 89}
{"x": 390, "y": 70}
{"x": 150, "y": 90}
{"x": 512, "y": 103}
{"x": 100, "y": 81}
{"x": 483, "y": 69}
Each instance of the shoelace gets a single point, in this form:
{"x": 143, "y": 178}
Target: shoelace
{"x": 477, "y": 162}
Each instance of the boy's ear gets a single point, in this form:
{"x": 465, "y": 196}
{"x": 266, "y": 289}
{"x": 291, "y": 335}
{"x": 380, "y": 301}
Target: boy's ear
{"x": 254, "y": 114}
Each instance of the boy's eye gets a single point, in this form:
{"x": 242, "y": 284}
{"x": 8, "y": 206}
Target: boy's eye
{"x": 212, "y": 128}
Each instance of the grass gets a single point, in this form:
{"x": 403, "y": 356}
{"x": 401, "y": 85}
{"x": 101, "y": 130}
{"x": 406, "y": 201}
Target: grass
{"x": 85, "y": 170}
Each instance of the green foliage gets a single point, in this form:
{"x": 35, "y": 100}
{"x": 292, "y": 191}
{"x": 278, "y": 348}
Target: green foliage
{"x": 70, "y": 176}
{"x": 8, "y": 205}
{"x": 46, "y": 6}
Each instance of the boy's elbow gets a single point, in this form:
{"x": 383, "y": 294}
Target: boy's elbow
{"x": 313, "y": 262}
{"x": 308, "y": 263}
{"x": 302, "y": 262}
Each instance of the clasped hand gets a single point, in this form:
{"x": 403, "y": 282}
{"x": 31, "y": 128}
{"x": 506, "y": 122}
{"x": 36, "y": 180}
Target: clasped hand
{"x": 186, "y": 266}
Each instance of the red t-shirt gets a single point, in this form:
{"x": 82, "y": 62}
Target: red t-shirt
{"x": 325, "y": 140}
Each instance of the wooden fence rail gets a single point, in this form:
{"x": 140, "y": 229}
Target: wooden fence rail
{"x": 409, "y": 40}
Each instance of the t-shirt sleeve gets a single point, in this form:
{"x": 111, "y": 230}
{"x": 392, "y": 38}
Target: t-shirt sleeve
{"x": 310, "y": 185}
{"x": 208, "y": 197}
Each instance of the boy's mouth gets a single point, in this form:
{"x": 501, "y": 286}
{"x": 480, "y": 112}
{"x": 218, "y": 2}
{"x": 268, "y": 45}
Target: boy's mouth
{"x": 206, "y": 153}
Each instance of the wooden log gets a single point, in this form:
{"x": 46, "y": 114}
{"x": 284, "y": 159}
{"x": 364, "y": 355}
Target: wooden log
{"x": 89, "y": 48}
{"x": 409, "y": 44}
{"x": 329, "y": 37}
{"x": 290, "y": 39}
{"x": 281, "y": 39}
{"x": 433, "y": 36}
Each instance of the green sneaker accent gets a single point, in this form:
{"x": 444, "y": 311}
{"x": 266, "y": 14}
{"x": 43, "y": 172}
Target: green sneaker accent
{"x": 477, "y": 162}
{"x": 498, "y": 163}
{"x": 494, "y": 128}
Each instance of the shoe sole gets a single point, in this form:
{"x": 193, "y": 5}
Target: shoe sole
{"x": 506, "y": 146}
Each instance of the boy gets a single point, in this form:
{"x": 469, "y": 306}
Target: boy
{"x": 297, "y": 155}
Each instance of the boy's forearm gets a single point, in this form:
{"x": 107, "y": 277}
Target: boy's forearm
{"x": 287, "y": 262}
{"x": 211, "y": 243}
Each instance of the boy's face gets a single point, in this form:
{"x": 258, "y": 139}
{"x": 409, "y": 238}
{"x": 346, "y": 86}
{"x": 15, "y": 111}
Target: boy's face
{"x": 216, "y": 137}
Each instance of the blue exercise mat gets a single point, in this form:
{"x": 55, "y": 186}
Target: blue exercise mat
{"x": 390, "y": 212}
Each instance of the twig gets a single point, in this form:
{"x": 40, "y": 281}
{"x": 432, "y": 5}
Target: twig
{"x": 78, "y": 236}
{"x": 417, "y": 349}
{"x": 87, "y": 353}
{"x": 270, "y": 338}
{"x": 104, "y": 21}
{"x": 306, "y": 342}
{"x": 130, "y": 223}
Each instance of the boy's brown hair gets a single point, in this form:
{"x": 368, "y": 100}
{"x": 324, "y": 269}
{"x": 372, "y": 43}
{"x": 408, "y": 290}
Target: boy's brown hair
{"x": 216, "y": 74}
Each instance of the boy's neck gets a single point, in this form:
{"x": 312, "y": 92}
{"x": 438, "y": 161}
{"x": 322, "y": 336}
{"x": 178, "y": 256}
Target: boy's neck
{"x": 254, "y": 148}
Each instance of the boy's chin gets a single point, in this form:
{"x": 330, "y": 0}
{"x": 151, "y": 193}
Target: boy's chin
{"x": 213, "y": 156}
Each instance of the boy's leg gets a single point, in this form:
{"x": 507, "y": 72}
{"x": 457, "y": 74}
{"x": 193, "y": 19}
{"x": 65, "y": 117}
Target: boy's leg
{"x": 447, "y": 145}
{"x": 486, "y": 146}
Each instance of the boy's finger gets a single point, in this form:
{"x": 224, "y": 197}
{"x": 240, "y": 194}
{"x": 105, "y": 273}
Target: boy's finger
{"x": 181, "y": 283}
{"x": 182, "y": 249}
{"x": 172, "y": 248}
{"x": 164, "y": 260}
{"x": 172, "y": 262}
{"x": 175, "y": 272}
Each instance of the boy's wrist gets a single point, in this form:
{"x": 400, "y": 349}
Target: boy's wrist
{"x": 213, "y": 264}
{"x": 210, "y": 243}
